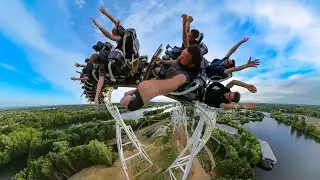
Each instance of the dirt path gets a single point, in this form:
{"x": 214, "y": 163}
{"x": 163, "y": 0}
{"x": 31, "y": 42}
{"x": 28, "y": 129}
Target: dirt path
{"x": 197, "y": 172}
{"x": 178, "y": 142}
{"x": 210, "y": 156}
{"x": 100, "y": 173}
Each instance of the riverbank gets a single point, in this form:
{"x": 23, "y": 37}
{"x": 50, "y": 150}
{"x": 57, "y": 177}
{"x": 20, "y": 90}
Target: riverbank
{"x": 298, "y": 156}
{"x": 299, "y": 123}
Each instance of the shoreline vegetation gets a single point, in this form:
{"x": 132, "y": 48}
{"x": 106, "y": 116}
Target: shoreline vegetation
{"x": 59, "y": 141}
{"x": 305, "y": 119}
{"x": 298, "y": 123}
{"x": 236, "y": 155}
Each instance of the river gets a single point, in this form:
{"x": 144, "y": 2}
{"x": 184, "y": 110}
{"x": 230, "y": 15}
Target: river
{"x": 298, "y": 156}
{"x": 135, "y": 115}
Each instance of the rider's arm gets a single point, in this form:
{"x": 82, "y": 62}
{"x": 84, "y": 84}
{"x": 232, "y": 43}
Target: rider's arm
{"x": 79, "y": 65}
{"x": 185, "y": 41}
{"x": 230, "y": 106}
{"x": 84, "y": 78}
{"x": 99, "y": 87}
{"x": 168, "y": 62}
{"x": 234, "y": 69}
{"x": 106, "y": 33}
{"x": 109, "y": 35}
{"x": 100, "y": 81}
{"x": 235, "y": 47}
{"x": 236, "y": 82}
{"x": 103, "y": 11}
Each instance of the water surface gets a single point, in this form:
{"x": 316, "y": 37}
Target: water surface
{"x": 298, "y": 155}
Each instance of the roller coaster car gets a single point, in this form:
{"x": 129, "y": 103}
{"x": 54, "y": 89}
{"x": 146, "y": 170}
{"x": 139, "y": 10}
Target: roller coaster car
{"x": 187, "y": 94}
{"x": 191, "y": 91}
{"x": 172, "y": 52}
{"x": 137, "y": 71}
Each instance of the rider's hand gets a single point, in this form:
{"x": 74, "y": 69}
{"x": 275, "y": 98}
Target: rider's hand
{"x": 77, "y": 65}
{"x": 189, "y": 19}
{"x": 95, "y": 22}
{"x": 252, "y": 88}
{"x": 253, "y": 63}
{"x": 117, "y": 24}
{"x": 158, "y": 60}
{"x": 249, "y": 106}
{"x": 244, "y": 40}
{"x": 184, "y": 18}
{"x": 103, "y": 10}
{"x": 96, "y": 101}
{"x": 73, "y": 78}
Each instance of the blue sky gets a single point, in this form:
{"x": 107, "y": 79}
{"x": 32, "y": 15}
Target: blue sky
{"x": 40, "y": 42}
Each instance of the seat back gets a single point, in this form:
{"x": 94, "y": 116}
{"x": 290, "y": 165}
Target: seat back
{"x": 219, "y": 78}
{"x": 130, "y": 44}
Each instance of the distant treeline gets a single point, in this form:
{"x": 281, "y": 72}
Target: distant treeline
{"x": 235, "y": 119}
{"x": 307, "y": 110}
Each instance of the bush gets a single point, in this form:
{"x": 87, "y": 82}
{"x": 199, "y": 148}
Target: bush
{"x": 238, "y": 155}
{"x": 63, "y": 165}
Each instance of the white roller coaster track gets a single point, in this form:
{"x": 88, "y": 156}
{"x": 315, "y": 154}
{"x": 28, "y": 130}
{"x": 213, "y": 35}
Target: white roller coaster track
{"x": 120, "y": 125}
{"x": 196, "y": 142}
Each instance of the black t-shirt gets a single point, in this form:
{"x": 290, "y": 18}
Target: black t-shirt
{"x": 214, "y": 95}
{"x": 128, "y": 47}
{"x": 103, "y": 62}
{"x": 87, "y": 70}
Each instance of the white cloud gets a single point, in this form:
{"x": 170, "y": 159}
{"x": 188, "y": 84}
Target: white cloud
{"x": 297, "y": 89}
{"x": 10, "y": 67}
{"x": 284, "y": 21}
{"x": 53, "y": 63}
{"x": 80, "y": 3}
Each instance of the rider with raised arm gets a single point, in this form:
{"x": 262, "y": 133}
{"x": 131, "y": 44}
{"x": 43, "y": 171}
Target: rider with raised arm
{"x": 85, "y": 71}
{"x": 115, "y": 35}
{"x": 127, "y": 49}
{"x": 193, "y": 36}
{"x": 183, "y": 70}
{"x": 226, "y": 65}
{"x": 188, "y": 38}
{"x": 220, "y": 96}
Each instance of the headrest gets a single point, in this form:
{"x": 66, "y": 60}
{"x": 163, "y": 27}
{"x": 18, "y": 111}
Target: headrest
{"x": 204, "y": 48}
{"x": 108, "y": 46}
{"x": 200, "y": 37}
{"x": 121, "y": 31}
